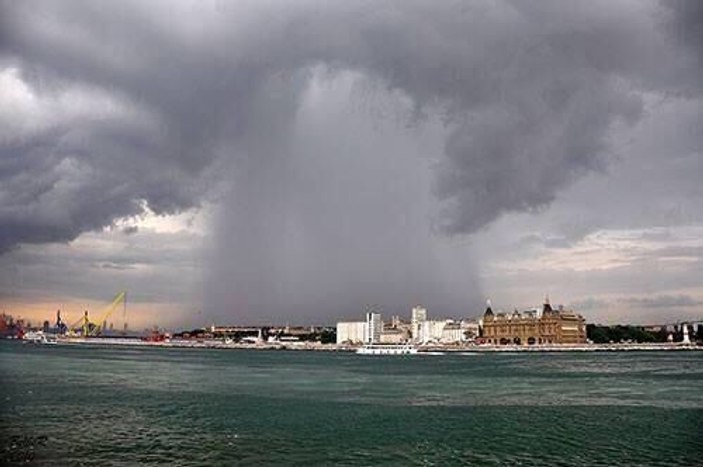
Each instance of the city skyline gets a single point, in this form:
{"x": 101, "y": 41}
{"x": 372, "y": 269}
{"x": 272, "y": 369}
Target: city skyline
{"x": 293, "y": 162}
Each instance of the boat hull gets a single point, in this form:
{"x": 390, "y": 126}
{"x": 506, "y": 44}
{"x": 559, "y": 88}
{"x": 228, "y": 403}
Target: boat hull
{"x": 387, "y": 350}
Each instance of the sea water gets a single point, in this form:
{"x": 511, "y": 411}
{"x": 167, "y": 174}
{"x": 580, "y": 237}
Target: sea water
{"x": 83, "y": 405}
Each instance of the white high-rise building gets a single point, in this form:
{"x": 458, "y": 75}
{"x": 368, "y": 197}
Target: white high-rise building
{"x": 417, "y": 316}
{"x": 374, "y": 327}
{"x": 686, "y": 339}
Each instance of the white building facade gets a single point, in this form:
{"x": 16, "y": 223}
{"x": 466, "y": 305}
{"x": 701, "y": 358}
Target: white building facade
{"x": 351, "y": 332}
{"x": 452, "y": 333}
{"x": 418, "y": 315}
{"x": 431, "y": 331}
{"x": 471, "y": 329}
{"x": 374, "y": 327}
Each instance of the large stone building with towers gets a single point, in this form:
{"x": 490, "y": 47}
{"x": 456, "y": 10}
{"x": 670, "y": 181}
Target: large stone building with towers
{"x": 532, "y": 327}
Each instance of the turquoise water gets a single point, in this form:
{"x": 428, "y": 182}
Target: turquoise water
{"x": 70, "y": 405}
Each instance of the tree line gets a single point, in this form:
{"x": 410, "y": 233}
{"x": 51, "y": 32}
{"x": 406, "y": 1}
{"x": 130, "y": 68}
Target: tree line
{"x": 600, "y": 334}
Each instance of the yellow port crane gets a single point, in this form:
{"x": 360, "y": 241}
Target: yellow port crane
{"x": 88, "y": 328}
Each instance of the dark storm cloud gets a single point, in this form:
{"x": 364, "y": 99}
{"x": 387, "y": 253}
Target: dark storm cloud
{"x": 175, "y": 97}
{"x": 686, "y": 24}
{"x": 90, "y": 158}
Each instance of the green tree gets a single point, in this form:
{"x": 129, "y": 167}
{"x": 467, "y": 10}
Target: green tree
{"x": 597, "y": 334}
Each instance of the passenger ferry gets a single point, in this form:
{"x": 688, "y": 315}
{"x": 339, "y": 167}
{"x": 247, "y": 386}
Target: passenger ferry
{"x": 386, "y": 349}
{"x": 38, "y": 337}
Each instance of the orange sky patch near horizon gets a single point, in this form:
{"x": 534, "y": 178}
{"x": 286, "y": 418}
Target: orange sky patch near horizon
{"x": 140, "y": 315}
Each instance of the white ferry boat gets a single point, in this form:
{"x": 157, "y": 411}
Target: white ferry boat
{"x": 386, "y": 349}
{"x": 38, "y": 337}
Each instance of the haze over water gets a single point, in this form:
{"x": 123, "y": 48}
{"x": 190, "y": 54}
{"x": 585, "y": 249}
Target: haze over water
{"x": 70, "y": 405}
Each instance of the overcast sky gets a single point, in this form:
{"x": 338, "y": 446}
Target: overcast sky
{"x": 294, "y": 162}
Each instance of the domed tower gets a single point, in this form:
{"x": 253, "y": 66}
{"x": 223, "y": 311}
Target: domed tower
{"x": 488, "y": 314}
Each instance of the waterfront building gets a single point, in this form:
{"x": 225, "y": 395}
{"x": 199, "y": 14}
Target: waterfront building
{"x": 392, "y": 336}
{"x": 351, "y": 332}
{"x": 417, "y": 315}
{"x": 528, "y": 328}
{"x": 452, "y": 333}
{"x": 471, "y": 329}
{"x": 396, "y": 332}
{"x": 431, "y": 331}
{"x": 372, "y": 331}
{"x": 686, "y": 339}
{"x": 374, "y": 327}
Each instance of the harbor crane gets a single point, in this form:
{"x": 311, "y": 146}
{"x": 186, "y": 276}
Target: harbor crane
{"x": 88, "y": 328}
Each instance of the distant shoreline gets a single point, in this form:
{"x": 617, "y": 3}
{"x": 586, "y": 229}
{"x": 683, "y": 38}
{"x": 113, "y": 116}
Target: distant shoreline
{"x": 309, "y": 346}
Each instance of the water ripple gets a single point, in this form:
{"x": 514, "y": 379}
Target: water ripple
{"x": 78, "y": 406}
